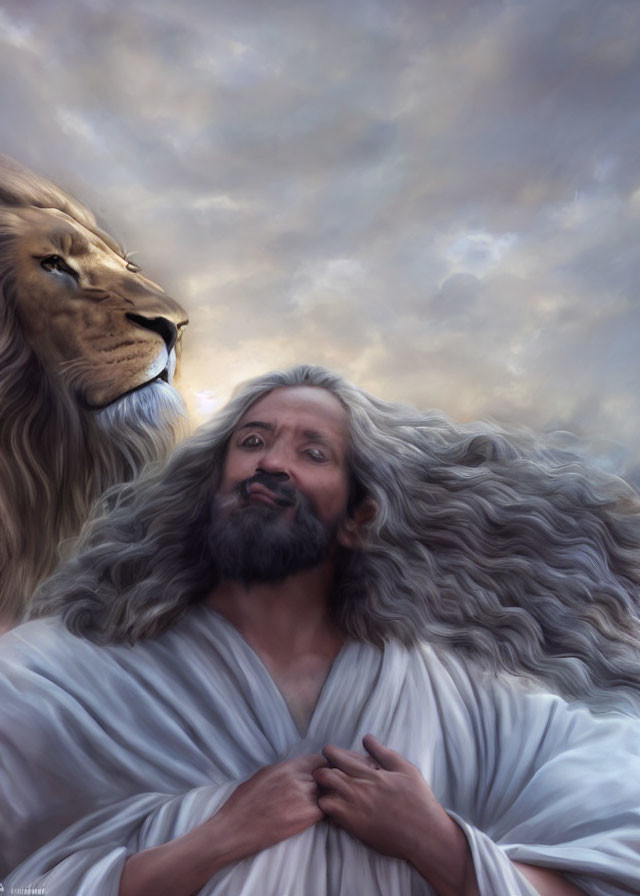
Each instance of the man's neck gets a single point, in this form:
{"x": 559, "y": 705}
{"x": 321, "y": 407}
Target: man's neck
{"x": 285, "y": 619}
{"x": 289, "y": 627}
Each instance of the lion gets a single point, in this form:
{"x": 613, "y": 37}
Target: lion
{"x": 88, "y": 355}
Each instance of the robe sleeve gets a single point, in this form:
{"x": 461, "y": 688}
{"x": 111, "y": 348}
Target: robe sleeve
{"x": 71, "y": 808}
{"x": 89, "y": 856}
{"x": 556, "y": 787}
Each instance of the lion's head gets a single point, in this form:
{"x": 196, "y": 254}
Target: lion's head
{"x": 88, "y": 352}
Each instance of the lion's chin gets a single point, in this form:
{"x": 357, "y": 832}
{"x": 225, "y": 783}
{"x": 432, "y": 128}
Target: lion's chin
{"x": 156, "y": 407}
{"x": 97, "y": 402}
{"x": 159, "y": 371}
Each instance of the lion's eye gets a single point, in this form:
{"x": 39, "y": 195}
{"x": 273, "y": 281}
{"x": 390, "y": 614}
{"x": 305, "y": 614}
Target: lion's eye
{"x": 58, "y": 264}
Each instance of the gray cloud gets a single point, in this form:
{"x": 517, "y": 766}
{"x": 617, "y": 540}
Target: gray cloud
{"x": 442, "y": 200}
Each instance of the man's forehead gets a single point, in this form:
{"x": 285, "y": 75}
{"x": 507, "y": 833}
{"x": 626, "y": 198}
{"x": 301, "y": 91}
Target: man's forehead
{"x": 306, "y": 407}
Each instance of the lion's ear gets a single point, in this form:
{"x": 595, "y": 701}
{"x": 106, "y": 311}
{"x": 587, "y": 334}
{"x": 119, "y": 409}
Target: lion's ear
{"x": 351, "y": 534}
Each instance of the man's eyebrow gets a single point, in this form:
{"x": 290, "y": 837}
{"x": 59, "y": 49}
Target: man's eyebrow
{"x": 316, "y": 436}
{"x": 256, "y": 424}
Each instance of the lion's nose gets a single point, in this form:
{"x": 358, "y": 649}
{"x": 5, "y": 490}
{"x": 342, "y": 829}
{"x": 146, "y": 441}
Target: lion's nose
{"x": 165, "y": 328}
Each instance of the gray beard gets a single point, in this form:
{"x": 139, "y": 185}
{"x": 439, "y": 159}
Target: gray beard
{"x": 256, "y": 544}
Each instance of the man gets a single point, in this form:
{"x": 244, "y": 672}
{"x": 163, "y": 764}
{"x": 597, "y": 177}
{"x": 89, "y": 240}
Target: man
{"x": 262, "y": 713}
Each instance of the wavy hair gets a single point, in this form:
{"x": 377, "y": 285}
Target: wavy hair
{"x": 55, "y": 458}
{"x": 484, "y": 541}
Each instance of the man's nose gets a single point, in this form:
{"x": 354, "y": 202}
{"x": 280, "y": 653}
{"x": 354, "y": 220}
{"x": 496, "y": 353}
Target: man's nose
{"x": 273, "y": 466}
{"x": 275, "y": 459}
{"x": 278, "y": 475}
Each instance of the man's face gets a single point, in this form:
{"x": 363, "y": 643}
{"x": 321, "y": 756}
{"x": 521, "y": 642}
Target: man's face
{"x": 299, "y": 435}
{"x": 283, "y": 495}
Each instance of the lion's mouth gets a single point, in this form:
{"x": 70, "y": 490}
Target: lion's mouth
{"x": 105, "y": 394}
{"x": 163, "y": 377}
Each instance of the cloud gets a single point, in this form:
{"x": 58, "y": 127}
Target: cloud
{"x": 440, "y": 200}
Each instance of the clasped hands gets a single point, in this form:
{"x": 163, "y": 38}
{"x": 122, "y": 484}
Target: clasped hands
{"x": 380, "y": 798}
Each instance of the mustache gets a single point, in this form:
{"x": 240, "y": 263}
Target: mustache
{"x": 285, "y": 495}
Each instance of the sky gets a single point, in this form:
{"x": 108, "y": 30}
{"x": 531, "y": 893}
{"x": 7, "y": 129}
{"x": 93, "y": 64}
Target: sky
{"x": 441, "y": 199}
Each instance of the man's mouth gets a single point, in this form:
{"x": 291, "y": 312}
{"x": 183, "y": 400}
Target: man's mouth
{"x": 259, "y": 493}
{"x": 255, "y": 490}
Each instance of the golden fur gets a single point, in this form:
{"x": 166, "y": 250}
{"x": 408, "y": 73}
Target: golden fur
{"x": 88, "y": 350}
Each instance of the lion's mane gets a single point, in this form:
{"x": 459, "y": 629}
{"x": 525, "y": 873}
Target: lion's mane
{"x": 56, "y": 457}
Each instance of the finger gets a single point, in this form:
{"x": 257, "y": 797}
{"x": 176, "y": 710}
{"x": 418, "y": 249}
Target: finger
{"x": 332, "y": 779}
{"x": 384, "y": 756}
{"x": 309, "y": 762}
{"x": 332, "y": 805}
{"x": 362, "y": 757}
{"x": 347, "y": 761}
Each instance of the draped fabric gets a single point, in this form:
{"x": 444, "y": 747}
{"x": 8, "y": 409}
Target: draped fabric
{"x": 105, "y": 751}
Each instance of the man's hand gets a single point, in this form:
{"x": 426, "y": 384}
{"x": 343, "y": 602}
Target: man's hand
{"x": 277, "y": 802}
{"x": 383, "y": 800}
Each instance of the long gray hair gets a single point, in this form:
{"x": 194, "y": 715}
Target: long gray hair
{"x": 484, "y": 541}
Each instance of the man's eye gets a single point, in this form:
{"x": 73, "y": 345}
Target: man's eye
{"x": 252, "y": 441}
{"x": 316, "y": 454}
{"x": 56, "y": 263}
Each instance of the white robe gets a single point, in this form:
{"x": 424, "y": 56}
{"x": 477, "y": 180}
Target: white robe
{"x": 105, "y": 751}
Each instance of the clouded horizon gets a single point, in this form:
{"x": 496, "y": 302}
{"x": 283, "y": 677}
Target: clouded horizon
{"x": 440, "y": 200}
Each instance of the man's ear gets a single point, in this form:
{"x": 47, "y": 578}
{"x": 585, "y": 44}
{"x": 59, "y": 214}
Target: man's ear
{"x": 351, "y": 532}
